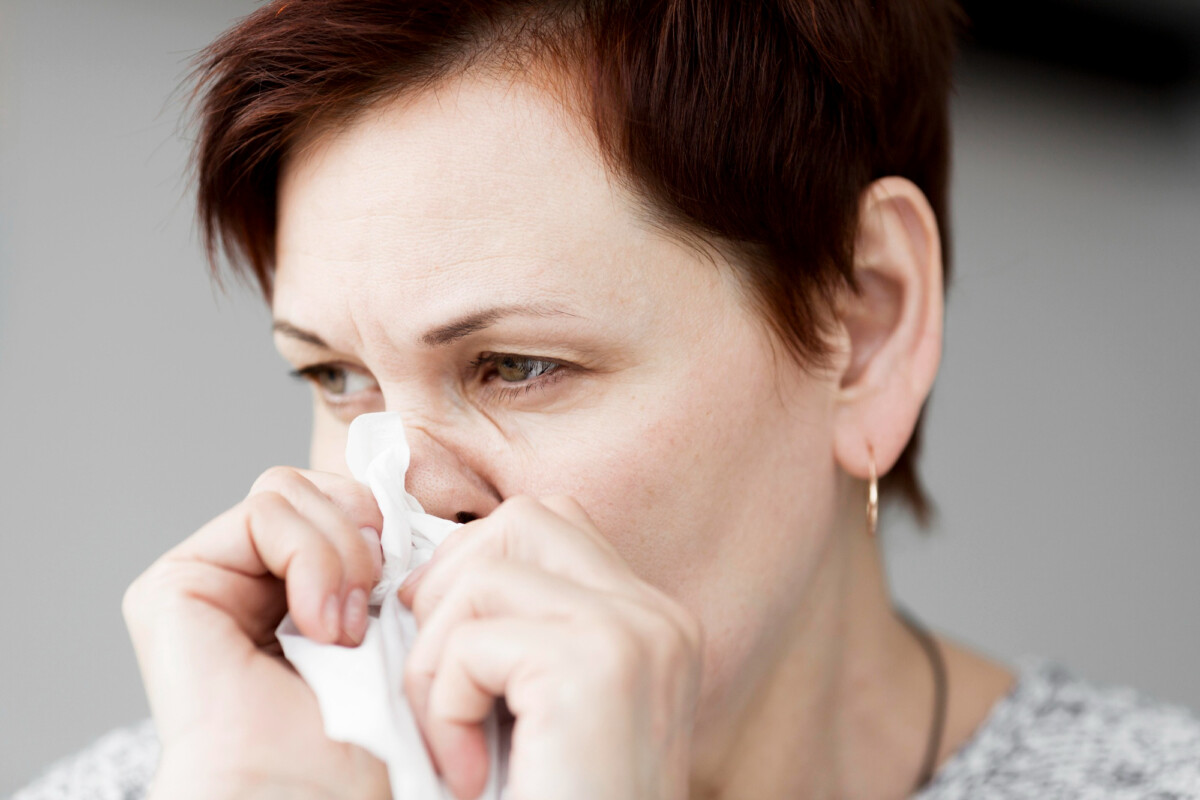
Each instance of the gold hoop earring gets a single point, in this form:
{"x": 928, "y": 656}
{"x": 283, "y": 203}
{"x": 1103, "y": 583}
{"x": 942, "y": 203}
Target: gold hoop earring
{"x": 872, "y": 494}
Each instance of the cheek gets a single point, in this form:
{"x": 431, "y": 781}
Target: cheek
{"x": 718, "y": 492}
{"x": 701, "y": 482}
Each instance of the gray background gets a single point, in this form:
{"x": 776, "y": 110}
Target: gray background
{"x": 136, "y": 402}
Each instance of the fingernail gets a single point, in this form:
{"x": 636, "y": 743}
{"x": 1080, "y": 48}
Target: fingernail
{"x": 331, "y": 618}
{"x": 414, "y": 577}
{"x": 354, "y": 615}
{"x": 371, "y": 537}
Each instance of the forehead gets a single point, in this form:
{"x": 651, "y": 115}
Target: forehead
{"x": 480, "y": 186}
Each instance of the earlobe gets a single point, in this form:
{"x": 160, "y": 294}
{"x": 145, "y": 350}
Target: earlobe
{"x": 893, "y": 326}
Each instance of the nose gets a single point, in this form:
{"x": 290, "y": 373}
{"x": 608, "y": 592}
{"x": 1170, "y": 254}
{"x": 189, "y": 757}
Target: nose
{"x": 443, "y": 483}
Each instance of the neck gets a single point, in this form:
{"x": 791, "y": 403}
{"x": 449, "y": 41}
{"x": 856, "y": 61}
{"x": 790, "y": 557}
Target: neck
{"x": 843, "y": 707}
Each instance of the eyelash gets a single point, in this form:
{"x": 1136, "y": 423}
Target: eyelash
{"x": 542, "y": 381}
{"x": 511, "y": 391}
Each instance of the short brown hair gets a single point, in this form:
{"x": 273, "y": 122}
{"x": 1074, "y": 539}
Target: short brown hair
{"x": 755, "y": 124}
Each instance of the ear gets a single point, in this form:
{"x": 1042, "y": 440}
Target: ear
{"x": 892, "y": 328}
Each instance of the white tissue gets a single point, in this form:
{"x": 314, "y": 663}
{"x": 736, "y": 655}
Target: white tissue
{"x": 360, "y": 689}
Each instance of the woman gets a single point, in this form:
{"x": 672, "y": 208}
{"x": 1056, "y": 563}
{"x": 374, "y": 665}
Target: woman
{"x": 658, "y": 288}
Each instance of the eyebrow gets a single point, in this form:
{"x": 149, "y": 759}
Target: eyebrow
{"x": 288, "y": 329}
{"x": 443, "y": 334}
{"x": 473, "y": 323}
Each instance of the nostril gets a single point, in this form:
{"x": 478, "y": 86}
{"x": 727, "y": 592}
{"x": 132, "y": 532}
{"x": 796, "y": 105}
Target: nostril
{"x": 466, "y": 516}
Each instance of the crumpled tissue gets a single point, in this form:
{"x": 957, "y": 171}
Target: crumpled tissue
{"x": 360, "y": 689}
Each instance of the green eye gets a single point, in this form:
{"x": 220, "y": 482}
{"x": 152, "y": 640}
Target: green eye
{"x": 335, "y": 381}
{"x": 515, "y": 369}
{"x": 331, "y": 379}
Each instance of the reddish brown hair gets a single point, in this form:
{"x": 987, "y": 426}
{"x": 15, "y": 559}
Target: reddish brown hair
{"x": 755, "y": 125}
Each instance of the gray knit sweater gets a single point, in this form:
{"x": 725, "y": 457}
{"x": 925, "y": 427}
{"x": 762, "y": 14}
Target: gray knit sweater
{"x": 1053, "y": 736}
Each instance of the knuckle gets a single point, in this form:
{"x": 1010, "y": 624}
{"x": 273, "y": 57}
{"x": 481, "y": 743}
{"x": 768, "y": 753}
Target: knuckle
{"x": 664, "y": 639}
{"x": 680, "y": 649}
{"x": 266, "y": 503}
{"x": 684, "y": 631}
{"x": 478, "y": 571}
{"x": 412, "y": 671}
{"x": 567, "y": 507}
{"x": 562, "y": 501}
{"x": 132, "y": 601}
{"x": 693, "y": 632}
{"x": 670, "y": 635}
{"x": 353, "y": 547}
{"x": 361, "y": 564}
{"x": 511, "y": 524}
{"x": 461, "y": 592}
{"x": 516, "y": 506}
{"x": 357, "y": 502}
{"x": 614, "y": 653}
{"x": 683, "y": 627}
{"x": 276, "y": 476}
{"x": 155, "y": 590}
{"x": 475, "y": 576}
{"x": 457, "y": 642}
{"x": 416, "y": 675}
{"x": 140, "y": 592}
{"x": 423, "y": 602}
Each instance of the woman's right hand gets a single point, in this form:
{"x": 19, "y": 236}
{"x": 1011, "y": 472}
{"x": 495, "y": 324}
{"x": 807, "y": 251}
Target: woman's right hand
{"x": 233, "y": 717}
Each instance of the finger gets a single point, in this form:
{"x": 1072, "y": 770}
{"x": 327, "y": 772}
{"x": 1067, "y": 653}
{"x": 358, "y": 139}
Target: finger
{"x": 542, "y": 515}
{"x": 340, "y": 507}
{"x": 475, "y": 670}
{"x": 535, "y": 666}
{"x": 359, "y": 552}
{"x": 254, "y": 604}
{"x": 657, "y": 631}
{"x": 353, "y": 498}
{"x": 358, "y": 504}
{"x": 522, "y": 529}
{"x": 569, "y": 509}
{"x": 174, "y": 639}
{"x": 266, "y": 535}
{"x": 491, "y": 589}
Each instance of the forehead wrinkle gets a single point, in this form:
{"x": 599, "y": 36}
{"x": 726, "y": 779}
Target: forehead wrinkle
{"x": 490, "y": 229}
{"x": 489, "y": 161}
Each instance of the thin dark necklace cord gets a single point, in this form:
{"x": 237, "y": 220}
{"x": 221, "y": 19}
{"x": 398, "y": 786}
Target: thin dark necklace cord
{"x": 938, "y": 665}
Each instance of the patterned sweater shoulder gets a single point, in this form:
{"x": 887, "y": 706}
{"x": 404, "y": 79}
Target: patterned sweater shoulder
{"x": 1054, "y": 736}
{"x": 1058, "y": 736}
{"x": 117, "y": 766}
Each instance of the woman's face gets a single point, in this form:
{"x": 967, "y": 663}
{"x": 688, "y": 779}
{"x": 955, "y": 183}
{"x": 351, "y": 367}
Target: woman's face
{"x": 468, "y": 263}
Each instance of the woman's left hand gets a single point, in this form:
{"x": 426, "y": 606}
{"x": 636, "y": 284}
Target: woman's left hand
{"x": 600, "y": 669}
